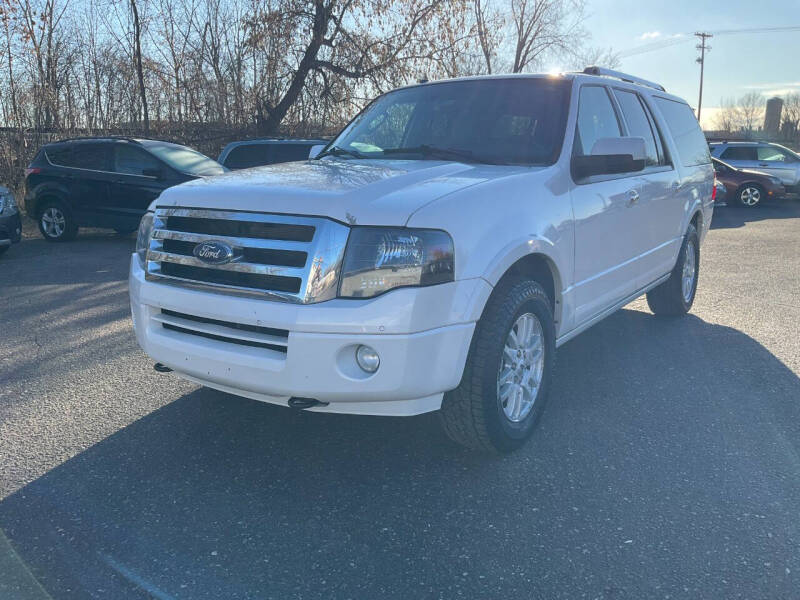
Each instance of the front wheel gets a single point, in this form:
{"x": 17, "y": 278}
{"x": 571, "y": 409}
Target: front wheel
{"x": 507, "y": 376}
{"x": 676, "y": 295}
{"x": 750, "y": 195}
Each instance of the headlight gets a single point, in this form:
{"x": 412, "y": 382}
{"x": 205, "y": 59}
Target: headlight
{"x": 776, "y": 180}
{"x": 379, "y": 259}
{"x": 143, "y": 237}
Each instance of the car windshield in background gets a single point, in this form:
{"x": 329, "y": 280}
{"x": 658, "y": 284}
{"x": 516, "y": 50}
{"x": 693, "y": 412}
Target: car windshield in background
{"x": 184, "y": 159}
{"x": 496, "y": 121}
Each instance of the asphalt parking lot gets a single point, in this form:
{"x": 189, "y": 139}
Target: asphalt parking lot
{"x": 667, "y": 464}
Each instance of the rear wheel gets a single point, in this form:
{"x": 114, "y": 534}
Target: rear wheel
{"x": 750, "y": 195}
{"x": 507, "y": 376}
{"x": 3, "y": 249}
{"x": 676, "y": 295}
{"x": 56, "y": 223}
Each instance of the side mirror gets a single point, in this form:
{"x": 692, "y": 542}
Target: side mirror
{"x": 315, "y": 150}
{"x": 611, "y": 156}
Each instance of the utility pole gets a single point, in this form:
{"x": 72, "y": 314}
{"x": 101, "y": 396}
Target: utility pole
{"x": 702, "y": 59}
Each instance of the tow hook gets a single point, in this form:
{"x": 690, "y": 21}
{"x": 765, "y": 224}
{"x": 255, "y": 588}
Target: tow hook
{"x": 161, "y": 368}
{"x": 304, "y": 403}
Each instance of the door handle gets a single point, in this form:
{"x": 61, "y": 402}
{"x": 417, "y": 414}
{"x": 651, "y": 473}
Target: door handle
{"x": 763, "y": 165}
{"x": 633, "y": 197}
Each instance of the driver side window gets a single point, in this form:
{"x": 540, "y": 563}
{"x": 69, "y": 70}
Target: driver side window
{"x": 596, "y": 119}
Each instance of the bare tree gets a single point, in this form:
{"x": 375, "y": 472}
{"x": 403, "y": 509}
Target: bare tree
{"x": 750, "y": 111}
{"x": 489, "y": 24}
{"x": 791, "y": 116}
{"x": 726, "y": 117}
{"x": 137, "y": 56}
{"x": 544, "y": 26}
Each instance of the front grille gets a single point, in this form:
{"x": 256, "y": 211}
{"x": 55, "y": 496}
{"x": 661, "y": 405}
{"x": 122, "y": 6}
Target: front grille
{"x": 280, "y": 257}
{"x": 241, "y": 334}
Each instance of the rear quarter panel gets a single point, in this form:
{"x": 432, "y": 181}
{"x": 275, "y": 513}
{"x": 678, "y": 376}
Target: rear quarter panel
{"x": 696, "y": 181}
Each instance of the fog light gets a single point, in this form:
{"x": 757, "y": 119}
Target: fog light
{"x": 368, "y": 359}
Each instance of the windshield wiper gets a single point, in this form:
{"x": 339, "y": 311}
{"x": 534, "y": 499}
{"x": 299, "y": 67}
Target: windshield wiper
{"x": 446, "y": 153}
{"x": 339, "y": 151}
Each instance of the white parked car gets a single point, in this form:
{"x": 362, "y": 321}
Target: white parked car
{"x": 435, "y": 254}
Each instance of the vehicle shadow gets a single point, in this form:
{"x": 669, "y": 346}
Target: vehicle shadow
{"x": 660, "y": 453}
{"x": 734, "y": 216}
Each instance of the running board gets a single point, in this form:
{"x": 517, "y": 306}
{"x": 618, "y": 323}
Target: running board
{"x": 600, "y": 316}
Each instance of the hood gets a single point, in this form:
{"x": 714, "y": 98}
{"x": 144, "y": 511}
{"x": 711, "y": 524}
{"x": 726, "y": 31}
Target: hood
{"x": 363, "y": 192}
{"x": 754, "y": 172}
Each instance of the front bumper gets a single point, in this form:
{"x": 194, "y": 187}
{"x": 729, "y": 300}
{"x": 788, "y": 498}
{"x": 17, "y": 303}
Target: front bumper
{"x": 10, "y": 228}
{"x": 421, "y": 334}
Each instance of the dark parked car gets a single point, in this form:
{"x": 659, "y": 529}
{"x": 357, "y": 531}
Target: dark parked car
{"x": 10, "y": 225}
{"x": 745, "y": 187}
{"x": 255, "y": 153}
{"x": 105, "y": 182}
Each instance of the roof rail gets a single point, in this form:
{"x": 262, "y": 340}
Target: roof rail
{"x": 97, "y": 137}
{"x": 603, "y": 72}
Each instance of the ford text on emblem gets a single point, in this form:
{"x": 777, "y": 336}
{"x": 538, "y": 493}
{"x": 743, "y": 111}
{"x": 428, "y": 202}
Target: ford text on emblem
{"x": 213, "y": 252}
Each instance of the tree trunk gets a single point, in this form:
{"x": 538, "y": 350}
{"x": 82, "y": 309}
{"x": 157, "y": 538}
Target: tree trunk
{"x": 137, "y": 51}
{"x": 276, "y": 114}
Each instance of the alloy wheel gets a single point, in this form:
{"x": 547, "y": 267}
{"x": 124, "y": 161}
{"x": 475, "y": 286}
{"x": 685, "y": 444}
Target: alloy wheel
{"x": 54, "y": 222}
{"x": 750, "y": 196}
{"x": 689, "y": 271}
{"x": 519, "y": 377}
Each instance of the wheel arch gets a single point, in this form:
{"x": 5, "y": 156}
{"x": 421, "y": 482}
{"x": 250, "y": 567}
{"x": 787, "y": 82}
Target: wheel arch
{"x": 44, "y": 193}
{"x": 533, "y": 260}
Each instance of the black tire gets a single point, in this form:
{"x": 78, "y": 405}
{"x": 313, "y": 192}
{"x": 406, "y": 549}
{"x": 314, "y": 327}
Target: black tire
{"x": 3, "y": 249}
{"x": 63, "y": 233}
{"x": 668, "y": 298}
{"x": 472, "y": 414}
{"x": 749, "y": 195}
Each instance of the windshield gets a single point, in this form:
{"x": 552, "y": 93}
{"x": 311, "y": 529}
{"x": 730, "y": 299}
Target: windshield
{"x": 184, "y": 159}
{"x": 498, "y": 121}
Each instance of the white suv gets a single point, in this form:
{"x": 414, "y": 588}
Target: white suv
{"x": 435, "y": 254}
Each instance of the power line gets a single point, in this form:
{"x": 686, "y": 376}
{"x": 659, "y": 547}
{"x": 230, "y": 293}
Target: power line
{"x": 703, "y": 47}
{"x": 681, "y": 38}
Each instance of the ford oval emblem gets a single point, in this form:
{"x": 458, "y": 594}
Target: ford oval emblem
{"x": 214, "y": 252}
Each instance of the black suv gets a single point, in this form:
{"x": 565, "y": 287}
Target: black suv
{"x": 105, "y": 182}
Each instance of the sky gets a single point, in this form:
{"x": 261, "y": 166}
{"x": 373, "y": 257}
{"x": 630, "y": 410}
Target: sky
{"x": 768, "y": 63}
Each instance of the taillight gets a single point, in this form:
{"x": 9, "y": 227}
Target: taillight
{"x": 714, "y": 191}
{"x": 32, "y": 171}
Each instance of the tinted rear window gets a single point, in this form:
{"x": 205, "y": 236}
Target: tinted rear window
{"x": 247, "y": 155}
{"x": 289, "y": 152}
{"x": 689, "y": 138}
{"x": 92, "y": 156}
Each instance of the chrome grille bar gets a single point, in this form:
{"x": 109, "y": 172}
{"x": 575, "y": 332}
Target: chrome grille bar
{"x": 241, "y": 267}
{"x": 182, "y": 236}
